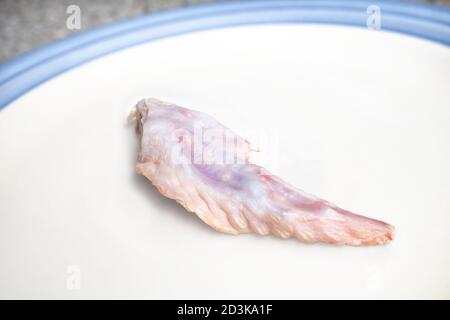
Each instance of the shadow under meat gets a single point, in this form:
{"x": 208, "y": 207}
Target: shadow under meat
{"x": 166, "y": 205}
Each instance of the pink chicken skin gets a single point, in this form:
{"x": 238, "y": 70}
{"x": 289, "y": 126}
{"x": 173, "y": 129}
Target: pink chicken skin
{"x": 181, "y": 155}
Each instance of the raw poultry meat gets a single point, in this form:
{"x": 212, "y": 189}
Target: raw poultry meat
{"x": 192, "y": 158}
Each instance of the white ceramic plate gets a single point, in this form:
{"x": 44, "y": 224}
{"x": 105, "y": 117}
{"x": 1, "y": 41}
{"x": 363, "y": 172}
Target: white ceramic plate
{"x": 358, "y": 117}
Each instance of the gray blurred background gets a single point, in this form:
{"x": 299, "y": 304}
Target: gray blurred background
{"x": 28, "y": 24}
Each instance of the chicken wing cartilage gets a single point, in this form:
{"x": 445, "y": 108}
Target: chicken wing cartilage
{"x": 192, "y": 158}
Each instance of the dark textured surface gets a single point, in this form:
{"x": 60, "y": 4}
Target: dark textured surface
{"x": 28, "y": 24}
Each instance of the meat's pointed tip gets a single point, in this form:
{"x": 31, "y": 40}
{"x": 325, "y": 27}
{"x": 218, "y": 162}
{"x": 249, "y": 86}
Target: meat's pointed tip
{"x": 390, "y": 235}
{"x": 386, "y": 237}
{"x": 379, "y": 238}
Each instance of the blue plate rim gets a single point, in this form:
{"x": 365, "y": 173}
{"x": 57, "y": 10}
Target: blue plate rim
{"x": 22, "y": 74}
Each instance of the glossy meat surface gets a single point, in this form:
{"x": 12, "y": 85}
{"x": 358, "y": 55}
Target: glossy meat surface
{"x": 192, "y": 158}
